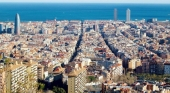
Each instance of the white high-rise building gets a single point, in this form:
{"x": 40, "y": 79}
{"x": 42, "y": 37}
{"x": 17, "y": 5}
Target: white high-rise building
{"x": 128, "y": 15}
{"x": 115, "y": 14}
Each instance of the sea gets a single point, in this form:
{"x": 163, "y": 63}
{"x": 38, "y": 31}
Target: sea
{"x": 82, "y": 11}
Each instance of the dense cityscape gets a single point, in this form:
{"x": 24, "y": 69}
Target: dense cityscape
{"x": 89, "y": 56}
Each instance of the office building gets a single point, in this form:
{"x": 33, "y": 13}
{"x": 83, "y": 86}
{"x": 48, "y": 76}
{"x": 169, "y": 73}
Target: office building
{"x": 152, "y": 20}
{"x": 1, "y": 28}
{"x": 6, "y": 28}
{"x": 127, "y": 15}
{"x": 77, "y": 80}
{"x": 115, "y": 14}
{"x": 17, "y": 24}
{"x": 9, "y": 30}
{"x": 96, "y": 26}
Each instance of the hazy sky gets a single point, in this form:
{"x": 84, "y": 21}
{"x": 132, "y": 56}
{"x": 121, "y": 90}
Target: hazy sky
{"x": 92, "y": 1}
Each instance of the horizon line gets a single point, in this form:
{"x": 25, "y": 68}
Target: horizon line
{"x": 88, "y": 2}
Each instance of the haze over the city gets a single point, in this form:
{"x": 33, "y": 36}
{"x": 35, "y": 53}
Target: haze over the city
{"x": 84, "y": 46}
{"x": 91, "y": 1}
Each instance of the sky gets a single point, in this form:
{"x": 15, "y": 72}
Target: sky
{"x": 92, "y": 1}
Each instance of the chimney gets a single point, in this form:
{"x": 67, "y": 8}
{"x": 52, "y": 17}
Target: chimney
{"x": 30, "y": 61}
{"x": 21, "y": 62}
{"x": 16, "y": 63}
{"x": 11, "y": 65}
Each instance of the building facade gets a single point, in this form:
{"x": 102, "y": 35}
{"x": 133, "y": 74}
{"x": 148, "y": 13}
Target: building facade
{"x": 116, "y": 70}
{"x": 77, "y": 80}
{"x": 127, "y": 15}
{"x": 14, "y": 77}
{"x": 19, "y": 77}
{"x": 2, "y": 81}
{"x": 40, "y": 72}
{"x": 17, "y": 24}
{"x": 115, "y": 14}
{"x": 156, "y": 68}
{"x": 134, "y": 63}
{"x": 1, "y": 28}
{"x": 166, "y": 68}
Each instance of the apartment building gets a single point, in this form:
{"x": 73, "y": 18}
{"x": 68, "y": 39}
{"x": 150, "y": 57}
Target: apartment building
{"x": 166, "y": 68}
{"x": 31, "y": 78}
{"x": 156, "y": 68}
{"x": 77, "y": 80}
{"x": 2, "y": 81}
{"x": 19, "y": 77}
{"x": 116, "y": 70}
{"x": 40, "y": 72}
{"x": 145, "y": 65}
{"x": 134, "y": 63}
{"x": 15, "y": 75}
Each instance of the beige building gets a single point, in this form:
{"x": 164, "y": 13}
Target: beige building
{"x": 165, "y": 91}
{"x": 32, "y": 76}
{"x": 2, "y": 81}
{"x": 14, "y": 76}
{"x": 134, "y": 63}
{"x": 77, "y": 80}
{"x": 119, "y": 60}
{"x": 149, "y": 88}
{"x": 40, "y": 72}
{"x": 19, "y": 77}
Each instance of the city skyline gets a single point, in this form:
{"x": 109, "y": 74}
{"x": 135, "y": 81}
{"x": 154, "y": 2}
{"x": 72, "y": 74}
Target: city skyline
{"x": 91, "y": 1}
{"x": 85, "y": 46}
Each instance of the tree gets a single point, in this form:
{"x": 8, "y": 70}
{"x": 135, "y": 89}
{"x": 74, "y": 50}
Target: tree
{"x": 154, "y": 77}
{"x": 41, "y": 86}
{"x": 167, "y": 80}
{"x": 91, "y": 79}
{"x": 58, "y": 90}
{"x": 7, "y": 61}
{"x": 127, "y": 78}
{"x": 0, "y": 56}
{"x": 29, "y": 85}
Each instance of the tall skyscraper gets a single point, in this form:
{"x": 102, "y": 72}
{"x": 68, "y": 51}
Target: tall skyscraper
{"x": 115, "y": 14}
{"x": 17, "y": 24}
{"x": 1, "y": 28}
{"x": 96, "y": 26}
{"x": 128, "y": 15}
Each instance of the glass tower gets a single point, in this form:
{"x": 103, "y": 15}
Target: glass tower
{"x": 17, "y": 24}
